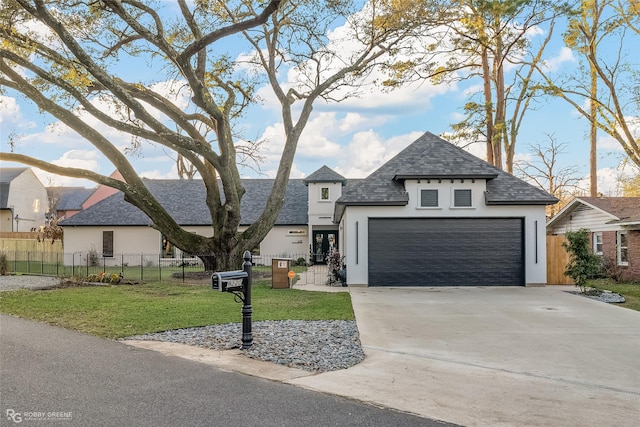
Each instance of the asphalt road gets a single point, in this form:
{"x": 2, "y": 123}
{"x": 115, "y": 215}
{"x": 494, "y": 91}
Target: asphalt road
{"x": 53, "y": 376}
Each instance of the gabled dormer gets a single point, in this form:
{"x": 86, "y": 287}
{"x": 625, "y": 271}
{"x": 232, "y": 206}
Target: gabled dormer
{"x": 324, "y": 187}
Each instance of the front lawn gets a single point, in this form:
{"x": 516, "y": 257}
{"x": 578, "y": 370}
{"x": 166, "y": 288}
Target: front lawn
{"x": 124, "y": 310}
{"x": 631, "y": 292}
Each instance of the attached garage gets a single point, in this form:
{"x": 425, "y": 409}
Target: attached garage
{"x": 446, "y": 252}
{"x": 435, "y": 215}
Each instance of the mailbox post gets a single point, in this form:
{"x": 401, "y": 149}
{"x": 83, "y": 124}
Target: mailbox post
{"x": 239, "y": 284}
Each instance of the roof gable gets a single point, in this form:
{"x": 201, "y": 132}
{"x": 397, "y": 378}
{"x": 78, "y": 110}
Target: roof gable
{"x": 431, "y": 157}
{"x": 184, "y": 201}
{"x": 9, "y": 174}
{"x": 620, "y": 210}
{"x": 325, "y": 174}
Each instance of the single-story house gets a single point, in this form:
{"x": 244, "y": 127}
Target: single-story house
{"x": 433, "y": 215}
{"x": 614, "y": 224}
{"x": 113, "y": 227}
{"x": 23, "y": 200}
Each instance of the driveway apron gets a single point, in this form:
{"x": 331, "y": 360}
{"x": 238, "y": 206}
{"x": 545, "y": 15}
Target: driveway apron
{"x": 494, "y": 356}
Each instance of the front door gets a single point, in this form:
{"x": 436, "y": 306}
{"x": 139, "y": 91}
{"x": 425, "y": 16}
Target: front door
{"x": 323, "y": 242}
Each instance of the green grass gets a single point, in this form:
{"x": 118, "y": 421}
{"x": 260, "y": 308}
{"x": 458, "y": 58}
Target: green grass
{"x": 124, "y": 310}
{"x": 630, "y": 291}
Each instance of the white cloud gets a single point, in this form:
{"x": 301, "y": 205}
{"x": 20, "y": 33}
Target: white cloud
{"x": 82, "y": 159}
{"x": 367, "y": 151}
{"x": 608, "y": 182}
{"x": 477, "y": 148}
{"x": 555, "y": 63}
{"x": 157, "y": 174}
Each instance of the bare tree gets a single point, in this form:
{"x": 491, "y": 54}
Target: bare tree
{"x": 545, "y": 172}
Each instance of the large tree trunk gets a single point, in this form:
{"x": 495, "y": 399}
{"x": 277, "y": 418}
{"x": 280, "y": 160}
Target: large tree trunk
{"x": 488, "y": 105}
{"x": 593, "y": 134}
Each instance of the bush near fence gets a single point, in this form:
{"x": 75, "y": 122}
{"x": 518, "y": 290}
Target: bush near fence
{"x": 132, "y": 267}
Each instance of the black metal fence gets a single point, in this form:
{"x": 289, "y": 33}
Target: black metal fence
{"x": 132, "y": 267}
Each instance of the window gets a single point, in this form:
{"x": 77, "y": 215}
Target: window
{"x": 597, "y": 243}
{"x": 324, "y": 193}
{"x": 107, "y": 243}
{"x": 462, "y": 198}
{"x": 623, "y": 249}
{"x": 428, "y": 198}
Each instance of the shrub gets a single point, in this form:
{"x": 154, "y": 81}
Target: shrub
{"x": 300, "y": 262}
{"x": 92, "y": 257}
{"x": 4, "y": 263}
{"x": 583, "y": 264}
{"x": 611, "y": 269}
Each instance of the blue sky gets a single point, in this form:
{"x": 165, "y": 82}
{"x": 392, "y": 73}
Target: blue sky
{"x": 353, "y": 137}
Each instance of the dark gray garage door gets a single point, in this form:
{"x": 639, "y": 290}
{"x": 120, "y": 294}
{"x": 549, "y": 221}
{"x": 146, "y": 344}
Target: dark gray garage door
{"x": 446, "y": 252}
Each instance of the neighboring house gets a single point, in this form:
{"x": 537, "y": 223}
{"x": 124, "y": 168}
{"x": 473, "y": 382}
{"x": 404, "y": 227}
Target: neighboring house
{"x": 435, "y": 215}
{"x": 23, "y": 200}
{"x": 65, "y": 202}
{"x": 614, "y": 224}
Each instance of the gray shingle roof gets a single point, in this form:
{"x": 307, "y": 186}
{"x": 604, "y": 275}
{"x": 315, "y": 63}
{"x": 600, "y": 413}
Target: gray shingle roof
{"x": 325, "y": 174}
{"x": 184, "y": 200}
{"x": 432, "y": 157}
{"x": 6, "y": 176}
{"x": 71, "y": 198}
{"x": 9, "y": 174}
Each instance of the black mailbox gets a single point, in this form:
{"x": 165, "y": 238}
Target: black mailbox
{"x": 229, "y": 281}
{"x": 238, "y": 283}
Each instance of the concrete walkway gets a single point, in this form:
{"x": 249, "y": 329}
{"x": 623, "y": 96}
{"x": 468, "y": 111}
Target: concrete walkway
{"x": 480, "y": 357}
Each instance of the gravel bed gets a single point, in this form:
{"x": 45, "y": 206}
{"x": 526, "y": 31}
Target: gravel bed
{"x": 11, "y": 283}
{"x": 318, "y": 346}
{"x": 603, "y": 296}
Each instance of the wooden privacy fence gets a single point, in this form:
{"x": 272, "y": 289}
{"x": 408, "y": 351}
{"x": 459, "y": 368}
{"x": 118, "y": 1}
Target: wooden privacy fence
{"x": 12, "y": 243}
{"x": 557, "y": 260}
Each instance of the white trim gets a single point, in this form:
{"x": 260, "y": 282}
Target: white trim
{"x": 322, "y": 199}
{"x": 619, "y": 247}
{"x": 419, "y": 204}
{"x": 597, "y": 240}
{"x": 453, "y": 198}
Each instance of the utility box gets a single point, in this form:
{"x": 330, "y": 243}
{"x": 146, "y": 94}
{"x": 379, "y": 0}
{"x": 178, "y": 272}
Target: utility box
{"x": 280, "y": 273}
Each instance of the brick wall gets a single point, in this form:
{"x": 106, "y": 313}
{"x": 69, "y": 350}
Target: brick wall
{"x": 633, "y": 272}
{"x": 609, "y": 249}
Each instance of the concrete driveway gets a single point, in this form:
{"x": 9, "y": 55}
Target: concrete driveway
{"x": 494, "y": 356}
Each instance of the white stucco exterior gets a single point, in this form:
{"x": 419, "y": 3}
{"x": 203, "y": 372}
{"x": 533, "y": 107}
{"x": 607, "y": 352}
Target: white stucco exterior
{"x": 136, "y": 244}
{"x": 139, "y": 244}
{"x": 284, "y": 241}
{"x": 26, "y": 204}
{"x": 321, "y": 209}
{"x": 354, "y": 225}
